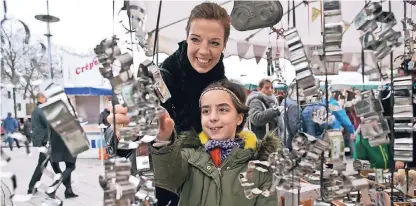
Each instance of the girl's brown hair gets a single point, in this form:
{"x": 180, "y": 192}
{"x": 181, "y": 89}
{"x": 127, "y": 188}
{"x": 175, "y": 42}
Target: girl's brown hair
{"x": 211, "y": 11}
{"x": 240, "y": 93}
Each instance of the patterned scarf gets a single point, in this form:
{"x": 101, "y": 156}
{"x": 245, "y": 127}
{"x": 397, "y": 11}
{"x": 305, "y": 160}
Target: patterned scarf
{"x": 224, "y": 147}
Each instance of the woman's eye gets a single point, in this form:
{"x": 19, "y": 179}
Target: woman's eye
{"x": 215, "y": 43}
{"x": 204, "y": 111}
{"x": 196, "y": 40}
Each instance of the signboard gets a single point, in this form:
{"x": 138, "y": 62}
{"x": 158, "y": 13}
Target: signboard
{"x": 82, "y": 71}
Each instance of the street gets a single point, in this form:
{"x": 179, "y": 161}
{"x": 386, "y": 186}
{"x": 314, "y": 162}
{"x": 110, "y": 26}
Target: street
{"x": 84, "y": 178}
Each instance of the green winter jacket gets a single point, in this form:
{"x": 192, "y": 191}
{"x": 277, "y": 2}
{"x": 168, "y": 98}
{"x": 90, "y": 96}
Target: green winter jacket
{"x": 185, "y": 168}
{"x": 378, "y": 156}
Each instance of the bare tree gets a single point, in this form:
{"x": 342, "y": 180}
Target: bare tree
{"x": 23, "y": 61}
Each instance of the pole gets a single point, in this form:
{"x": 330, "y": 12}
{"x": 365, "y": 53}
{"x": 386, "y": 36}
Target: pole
{"x": 48, "y": 35}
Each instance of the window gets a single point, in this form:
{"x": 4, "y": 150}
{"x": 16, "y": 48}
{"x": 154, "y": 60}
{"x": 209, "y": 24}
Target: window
{"x": 19, "y": 107}
{"x": 9, "y": 94}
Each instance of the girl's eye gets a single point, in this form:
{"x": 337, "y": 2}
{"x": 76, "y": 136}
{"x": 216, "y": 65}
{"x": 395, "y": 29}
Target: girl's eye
{"x": 204, "y": 111}
{"x": 223, "y": 109}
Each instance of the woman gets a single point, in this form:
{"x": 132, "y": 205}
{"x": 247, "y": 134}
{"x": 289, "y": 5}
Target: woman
{"x": 196, "y": 64}
{"x": 207, "y": 173}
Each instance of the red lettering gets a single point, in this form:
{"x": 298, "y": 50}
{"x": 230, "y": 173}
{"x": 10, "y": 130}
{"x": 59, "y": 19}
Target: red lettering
{"x": 88, "y": 66}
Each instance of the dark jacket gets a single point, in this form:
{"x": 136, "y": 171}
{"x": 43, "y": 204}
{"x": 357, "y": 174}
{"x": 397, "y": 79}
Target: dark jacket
{"x": 191, "y": 173}
{"x": 291, "y": 123}
{"x": 261, "y": 113}
{"x": 27, "y": 128}
{"x": 59, "y": 150}
{"x": 39, "y": 128}
{"x": 103, "y": 118}
{"x": 186, "y": 85}
{"x": 43, "y": 132}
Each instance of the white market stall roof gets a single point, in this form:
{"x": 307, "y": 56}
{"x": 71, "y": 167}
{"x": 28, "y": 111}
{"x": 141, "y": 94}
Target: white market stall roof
{"x": 173, "y": 23}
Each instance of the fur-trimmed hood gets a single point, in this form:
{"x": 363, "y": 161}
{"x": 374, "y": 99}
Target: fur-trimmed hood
{"x": 262, "y": 148}
{"x": 270, "y": 100}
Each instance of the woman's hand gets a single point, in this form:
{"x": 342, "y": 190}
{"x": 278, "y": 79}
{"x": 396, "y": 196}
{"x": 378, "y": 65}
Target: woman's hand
{"x": 166, "y": 126}
{"x": 121, "y": 118}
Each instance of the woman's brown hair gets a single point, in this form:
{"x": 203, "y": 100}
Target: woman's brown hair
{"x": 240, "y": 93}
{"x": 211, "y": 11}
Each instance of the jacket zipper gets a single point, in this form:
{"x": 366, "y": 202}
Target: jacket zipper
{"x": 219, "y": 173}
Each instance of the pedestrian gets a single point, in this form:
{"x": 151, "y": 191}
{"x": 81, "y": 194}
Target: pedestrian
{"x": 27, "y": 129}
{"x": 11, "y": 126}
{"x": 60, "y": 153}
{"x": 40, "y": 138}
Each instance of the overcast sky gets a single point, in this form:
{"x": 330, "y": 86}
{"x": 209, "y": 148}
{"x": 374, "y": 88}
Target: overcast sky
{"x": 84, "y": 23}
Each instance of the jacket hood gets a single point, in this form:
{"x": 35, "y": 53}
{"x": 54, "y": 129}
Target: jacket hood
{"x": 262, "y": 97}
{"x": 263, "y": 148}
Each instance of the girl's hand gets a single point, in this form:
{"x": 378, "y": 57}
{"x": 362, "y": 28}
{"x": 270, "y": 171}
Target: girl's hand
{"x": 166, "y": 126}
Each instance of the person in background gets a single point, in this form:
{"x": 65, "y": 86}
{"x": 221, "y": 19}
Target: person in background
{"x": 264, "y": 109}
{"x": 40, "y": 138}
{"x": 11, "y": 126}
{"x": 317, "y": 129}
{"x": 341, "y": 116}
{"x": 197, "y": 63}
{"x": 103, "y": 116}
{"x": 27, "y": 129}
{"x": 379, "y": 156}
{"x": 289, "y": 123}
{"x": 340, "y": 97}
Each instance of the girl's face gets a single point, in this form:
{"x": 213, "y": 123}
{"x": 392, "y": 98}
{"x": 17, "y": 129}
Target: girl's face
{"x": 219, "y": 117}
{"x": 205, "y": 44}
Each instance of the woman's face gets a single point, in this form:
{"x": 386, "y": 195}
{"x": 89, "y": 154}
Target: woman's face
{"x": 205, "y": 44}
{"x": 219, "y": 117}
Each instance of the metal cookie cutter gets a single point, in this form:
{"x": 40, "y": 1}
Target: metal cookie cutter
{"x": 61, "y": 116}
{"x": 298, "y": 58}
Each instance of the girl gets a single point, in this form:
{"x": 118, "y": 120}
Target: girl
{"x": 197, "y": 63}
{"x": 206, "y": 171}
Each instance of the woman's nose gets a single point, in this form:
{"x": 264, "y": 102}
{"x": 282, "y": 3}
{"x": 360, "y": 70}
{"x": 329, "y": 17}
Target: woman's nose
{"x": 204, "y": 49}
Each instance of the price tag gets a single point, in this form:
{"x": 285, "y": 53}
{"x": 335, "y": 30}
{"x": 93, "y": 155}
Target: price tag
{"x": 336, "y": 149}
{"x": 142, "y": 162}
{"x": 379, "y": 176}
{"x": 127, "y": 94}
